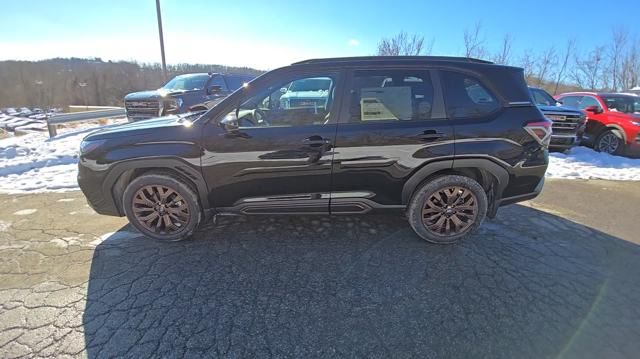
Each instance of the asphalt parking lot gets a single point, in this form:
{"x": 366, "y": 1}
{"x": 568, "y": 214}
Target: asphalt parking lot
{"x": 555, "y": 277}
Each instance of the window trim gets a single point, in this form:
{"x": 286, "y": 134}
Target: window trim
{"x": 500, "y": 101}
{"x": 437, "y": 111}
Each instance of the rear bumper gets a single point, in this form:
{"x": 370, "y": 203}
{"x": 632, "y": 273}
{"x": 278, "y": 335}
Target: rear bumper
{"x": 522, "y": 197}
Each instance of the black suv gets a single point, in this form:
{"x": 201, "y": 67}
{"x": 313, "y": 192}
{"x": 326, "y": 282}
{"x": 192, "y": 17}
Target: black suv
{"x": 183, "y": 93}
{"x": 444, "y": 140}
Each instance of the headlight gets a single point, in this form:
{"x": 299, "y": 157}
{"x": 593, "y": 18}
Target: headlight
{"x": 88, "y": 146}
{"x": 175, "y": 103}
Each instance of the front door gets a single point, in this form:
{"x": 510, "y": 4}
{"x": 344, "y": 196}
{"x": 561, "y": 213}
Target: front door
{"x": 272, "y": 153}
{"x": 392, "y": 123}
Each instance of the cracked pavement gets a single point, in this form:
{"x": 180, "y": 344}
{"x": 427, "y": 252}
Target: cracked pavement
{"x": 540, "y": 280}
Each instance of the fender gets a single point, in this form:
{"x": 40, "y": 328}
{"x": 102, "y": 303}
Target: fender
{"x": 115, "y": 181}
{"x": 497, "y": 171}
{"x": 619, "y": 129}
{"x": 500, "y": 174}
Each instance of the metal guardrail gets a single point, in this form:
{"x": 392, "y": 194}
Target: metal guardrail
{"x": 54, "y": 121}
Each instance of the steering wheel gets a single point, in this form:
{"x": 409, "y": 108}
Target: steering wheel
{"x": 260, "y": 118}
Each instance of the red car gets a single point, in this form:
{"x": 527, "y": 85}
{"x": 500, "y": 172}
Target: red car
{"x": 613, "y": 120}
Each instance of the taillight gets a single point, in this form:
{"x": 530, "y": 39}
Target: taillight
{"x": 540, "y": 130}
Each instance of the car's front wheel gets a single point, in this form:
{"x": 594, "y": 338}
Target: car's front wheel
{"x": 610, "y": 142}
{"x": 162, "y": 206}
{"x": 447, "y": 208}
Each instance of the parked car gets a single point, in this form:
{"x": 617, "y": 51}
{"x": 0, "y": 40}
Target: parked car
{"x": 184, "y": 93}
{"x": 24, "y": 112}
{"x": 613, "y": 120}
{"x": 568, "y": 122}
{"x": 10, "y": 111}
{"x": 445, "y": 140}
{"x": 311, "y": 93}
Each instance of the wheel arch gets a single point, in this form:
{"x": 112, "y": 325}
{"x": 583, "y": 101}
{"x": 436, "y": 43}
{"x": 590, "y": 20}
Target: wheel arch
{"x": 487, "y": 173}
{"x": 123, "y": 173}
{"x": 619, "y": 129}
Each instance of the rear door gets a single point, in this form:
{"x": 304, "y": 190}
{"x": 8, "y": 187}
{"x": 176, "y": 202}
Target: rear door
{"x": 392, "y": 123}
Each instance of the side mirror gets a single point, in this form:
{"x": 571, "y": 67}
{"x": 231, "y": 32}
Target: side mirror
{"x": 593, "y": 109}
{"x": 214, "y": 90}
{"x": 559, "y": 103}
{"x": 283, "y": 90}
{"x": 229, "y": 123}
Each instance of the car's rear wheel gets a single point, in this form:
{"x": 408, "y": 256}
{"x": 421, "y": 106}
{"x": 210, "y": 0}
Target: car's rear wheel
{"x": 162, "y": 206}
{"x": 610, "y": 142}
{"x": 447, "y": 208}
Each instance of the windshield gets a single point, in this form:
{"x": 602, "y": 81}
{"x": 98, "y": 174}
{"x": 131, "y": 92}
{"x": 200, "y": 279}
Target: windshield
{"x": 313, "y": 84}
{"x": 626, "y": 104}
{"x": 187, "y": 82}
{"x": 541, "y": 97}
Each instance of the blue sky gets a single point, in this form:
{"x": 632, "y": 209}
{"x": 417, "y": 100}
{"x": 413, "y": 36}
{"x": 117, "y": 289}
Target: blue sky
{"x": 271, "y": 33}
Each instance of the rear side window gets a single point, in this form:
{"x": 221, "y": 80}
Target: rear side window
{"x": 391, "y": 95}
{"x": 466, "y": 96}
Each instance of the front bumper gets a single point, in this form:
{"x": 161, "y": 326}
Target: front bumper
{"x": 563, "y": 141}
{"x": 90, "y": 183}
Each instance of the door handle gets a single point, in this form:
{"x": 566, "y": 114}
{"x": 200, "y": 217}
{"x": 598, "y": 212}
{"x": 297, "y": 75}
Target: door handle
{"x": 315, "y": 141}
{"x": 430, "y": 135}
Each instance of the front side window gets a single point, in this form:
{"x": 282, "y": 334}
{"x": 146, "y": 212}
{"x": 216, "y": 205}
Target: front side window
{"x": 466, "y": 97}
{"x": 301, "y": 102}
{"x": 391, "y": 95}
{"x": 589, "y": 101}
{"x": 217, "y": 80}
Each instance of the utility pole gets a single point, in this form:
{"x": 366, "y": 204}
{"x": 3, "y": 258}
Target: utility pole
{"x": 164, "y": 64}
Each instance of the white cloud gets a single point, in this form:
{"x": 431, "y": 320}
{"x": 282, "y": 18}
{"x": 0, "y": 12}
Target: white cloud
{"x": 353, "y": 42}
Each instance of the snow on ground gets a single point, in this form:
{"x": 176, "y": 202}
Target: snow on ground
{"x": 35, "y": 163}
{"x": 585, "y": 163}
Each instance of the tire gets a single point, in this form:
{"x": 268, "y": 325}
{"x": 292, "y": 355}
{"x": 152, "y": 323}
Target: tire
{"x": 458, "y": 219}
{"x": 610, "y": 142}
{"x": 143, "y": 199}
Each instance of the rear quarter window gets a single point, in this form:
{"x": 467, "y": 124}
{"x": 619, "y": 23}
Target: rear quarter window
{"x": 466, "y": 97}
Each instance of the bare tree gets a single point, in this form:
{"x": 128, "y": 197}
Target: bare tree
{"x": 545, "y": 63}
{"x": 619, "y": 38}
{"x": 504, "y": 53}
{"x": 630, "y": 68}
{"x": 403, "y": 45}
{"x": 473, "y": 42}
{"x": 568, "y": 50}
{"x": 588, "y": 70}
{"x": 527, "y": 62}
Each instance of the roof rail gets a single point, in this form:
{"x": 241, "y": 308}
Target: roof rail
{"x": 387, "y": 58}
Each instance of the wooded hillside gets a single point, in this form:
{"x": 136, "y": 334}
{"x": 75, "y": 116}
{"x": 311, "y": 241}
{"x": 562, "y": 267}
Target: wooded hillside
{"x": 62, "y": 82}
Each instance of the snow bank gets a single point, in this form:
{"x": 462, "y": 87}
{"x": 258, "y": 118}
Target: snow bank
{"x": 585, "y": 163}
{"x": 35, "y": 163}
